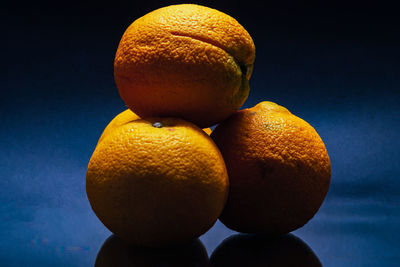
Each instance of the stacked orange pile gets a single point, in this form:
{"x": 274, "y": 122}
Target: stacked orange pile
{"x": 156, "y": 178}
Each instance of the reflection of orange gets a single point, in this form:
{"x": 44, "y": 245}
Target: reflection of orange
{"x": 157, "y": 181}
{"x": 125, "y": 117}
{"x": 278, "y": 167}
{"x": 261, "y": 250}
{"x": 116, "y": 253}
{"x": 186, "y": 61}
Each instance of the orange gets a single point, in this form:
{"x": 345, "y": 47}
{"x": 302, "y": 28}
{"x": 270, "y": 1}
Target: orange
{"x": 157, "y": 181}
{"x": 186, "y": 61}
{"x": 122, "y": 118}
{"x": 207, "y": 131}
{"x": 125, "y": 117}
{"x": 278, "y": 167}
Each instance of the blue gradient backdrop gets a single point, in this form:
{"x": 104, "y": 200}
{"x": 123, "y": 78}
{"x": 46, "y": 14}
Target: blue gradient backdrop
{"x": 337, "y": 68}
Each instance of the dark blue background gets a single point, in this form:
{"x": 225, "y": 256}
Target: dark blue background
{"x": 337, "y": 68}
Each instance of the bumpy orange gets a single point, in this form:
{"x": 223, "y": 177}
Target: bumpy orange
{"x": 122, "y": 118}
{"x": 157, "y": 181}
{"x": 278, "y": 167}
{"x": 125, "y": 117}
{"x": 186, "y": 61}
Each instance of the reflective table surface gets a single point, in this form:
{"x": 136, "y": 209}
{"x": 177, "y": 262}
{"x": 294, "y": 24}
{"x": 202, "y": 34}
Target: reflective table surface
{"x": 343, "y": 233}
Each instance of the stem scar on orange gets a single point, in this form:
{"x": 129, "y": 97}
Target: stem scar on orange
{"x": 125, "y": 117}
